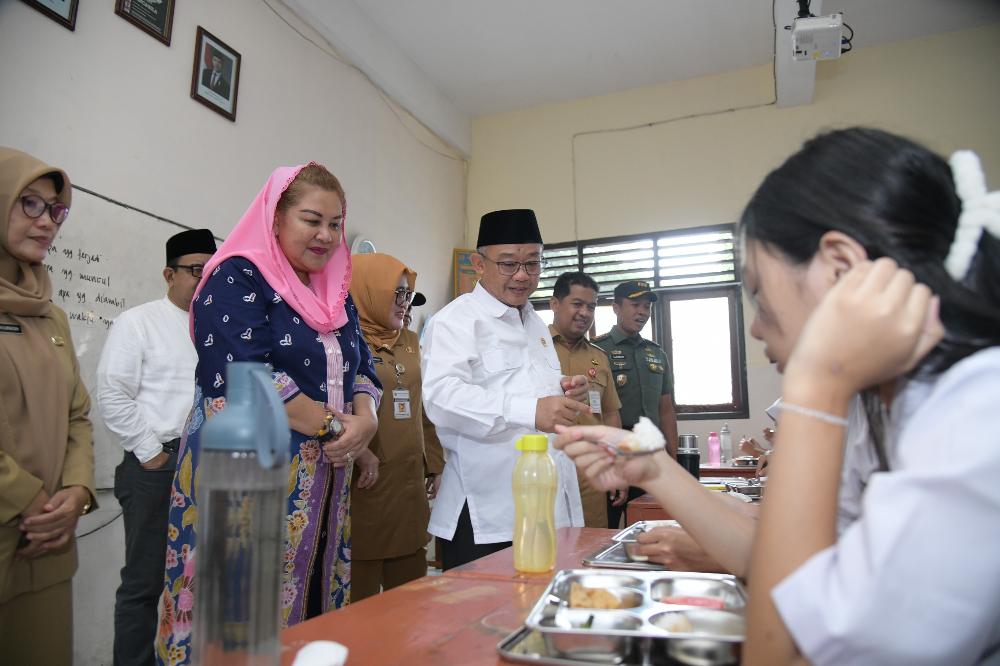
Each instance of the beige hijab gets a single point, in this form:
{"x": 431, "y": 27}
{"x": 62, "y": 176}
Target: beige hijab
{"x": 33, "y": 388}
{"x": 373, "y": 286}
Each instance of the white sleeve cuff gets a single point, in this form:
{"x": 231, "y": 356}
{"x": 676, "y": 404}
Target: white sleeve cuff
{"x": 521, "y": 411}
{"x": 147, "y": 450}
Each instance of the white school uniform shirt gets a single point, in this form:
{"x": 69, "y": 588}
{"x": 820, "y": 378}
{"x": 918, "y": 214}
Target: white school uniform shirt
{"x": 483, "y": 373}
{"x": 145, "y": 378}
{"x": 916, "y": 578}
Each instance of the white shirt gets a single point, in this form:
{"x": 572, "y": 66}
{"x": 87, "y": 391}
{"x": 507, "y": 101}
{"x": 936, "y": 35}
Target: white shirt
{"x": 145, "y": 378}
{"x": 860, "y": 462}
{"x": 916, "y": 578}
{"x": 483, "y": 373}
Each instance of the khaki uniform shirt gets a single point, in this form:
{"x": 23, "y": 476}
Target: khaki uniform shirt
{"x": 390, "y": 519}
{"x": 579, "y": 360}
{"x": 642, "y": 375}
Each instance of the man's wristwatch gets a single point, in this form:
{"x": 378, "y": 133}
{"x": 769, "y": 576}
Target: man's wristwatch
{"x": 86, "y": 506}
{"x": 331, "y": 428}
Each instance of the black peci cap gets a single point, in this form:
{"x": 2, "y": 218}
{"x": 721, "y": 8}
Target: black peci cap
{"x": 192, "y": 241}
{"x": 418, "y": 300}
{"x": 509, "y": 227}
{"x": 635, "y": 289}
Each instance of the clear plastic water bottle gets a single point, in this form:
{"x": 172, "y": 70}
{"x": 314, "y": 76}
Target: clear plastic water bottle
{"x": 726, "y": 440}
{"x": 714, "y": 450}
{"x": 535, "y": 482}
{"x": 241, "y": 481}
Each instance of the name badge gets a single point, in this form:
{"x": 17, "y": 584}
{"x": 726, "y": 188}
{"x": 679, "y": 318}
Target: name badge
{"x": 400, "y": 404}
{"x": 595, "y": 401}
{"x": 377, "y": 359}
{"x": 10, "y": 328}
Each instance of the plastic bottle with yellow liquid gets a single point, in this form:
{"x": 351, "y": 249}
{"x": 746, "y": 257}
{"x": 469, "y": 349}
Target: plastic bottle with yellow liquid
{"x": 535, "y": 483}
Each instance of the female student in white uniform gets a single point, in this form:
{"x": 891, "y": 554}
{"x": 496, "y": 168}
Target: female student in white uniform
{"x": 916, "y": 578}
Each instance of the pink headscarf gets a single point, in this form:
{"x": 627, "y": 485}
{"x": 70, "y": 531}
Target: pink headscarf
{"x": 322, "y": 306}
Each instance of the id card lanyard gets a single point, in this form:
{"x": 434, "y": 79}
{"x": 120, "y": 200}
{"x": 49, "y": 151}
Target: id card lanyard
{"x": 595, "y": 396}
{"x": 400, "y": 396}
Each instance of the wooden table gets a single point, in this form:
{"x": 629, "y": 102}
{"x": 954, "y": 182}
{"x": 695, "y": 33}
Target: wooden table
{"x": 437, "y": 620}
{"x": 728, "y": 471}
{"x": 572, "y": 545}
{"x": 456, "y": 618}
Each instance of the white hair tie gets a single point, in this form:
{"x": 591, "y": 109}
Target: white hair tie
{"x": 980, "y": 211}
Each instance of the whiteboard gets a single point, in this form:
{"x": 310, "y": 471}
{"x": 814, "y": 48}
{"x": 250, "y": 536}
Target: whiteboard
{"x": 107, "y": 258}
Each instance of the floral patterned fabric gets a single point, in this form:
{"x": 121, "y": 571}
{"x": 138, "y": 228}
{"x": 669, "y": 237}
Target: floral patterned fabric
{"x": 239, "y": 317}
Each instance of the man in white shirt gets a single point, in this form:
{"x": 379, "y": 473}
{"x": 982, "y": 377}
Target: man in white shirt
{"x": 145, "y": 388}
{"x": 490, "y": 376}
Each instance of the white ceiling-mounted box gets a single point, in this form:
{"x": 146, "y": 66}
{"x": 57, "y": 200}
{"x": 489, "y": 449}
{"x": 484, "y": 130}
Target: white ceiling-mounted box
{"x": 817, "y": 37}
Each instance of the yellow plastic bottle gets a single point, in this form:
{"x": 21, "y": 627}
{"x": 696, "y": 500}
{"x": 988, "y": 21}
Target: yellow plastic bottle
{"x": 535, "y": 484}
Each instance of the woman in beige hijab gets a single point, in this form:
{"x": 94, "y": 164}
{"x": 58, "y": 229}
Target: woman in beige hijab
{"x": 389, "y": 510}
{"x": 46, "y": 444}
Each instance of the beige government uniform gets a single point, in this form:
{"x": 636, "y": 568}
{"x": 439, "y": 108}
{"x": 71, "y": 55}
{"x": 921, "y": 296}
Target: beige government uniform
{"x": 31, "y": 590}
{"x": 389, "y": 521}
{"x": 579, "y": 360}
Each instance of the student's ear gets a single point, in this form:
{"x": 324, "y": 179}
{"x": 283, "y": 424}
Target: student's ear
{"x": 839, "y": 253}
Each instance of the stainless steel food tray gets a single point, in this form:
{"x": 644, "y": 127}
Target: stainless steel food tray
{"x": 572, "y": 631}
{"x": 530, "y": 647}
{"x": 628, "y": 534}
{"x": 613, "y": 556}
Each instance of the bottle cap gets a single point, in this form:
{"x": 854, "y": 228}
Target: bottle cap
{"x": 533, "y": 443}
{"x": 712, "y": 434}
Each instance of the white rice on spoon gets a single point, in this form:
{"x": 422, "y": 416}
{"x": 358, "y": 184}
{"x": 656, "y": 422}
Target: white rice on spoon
{"x": 644, "y": 437}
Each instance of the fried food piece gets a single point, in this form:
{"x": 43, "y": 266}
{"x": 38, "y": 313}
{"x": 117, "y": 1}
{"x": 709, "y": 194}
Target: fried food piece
{"x": 592, "y": 597}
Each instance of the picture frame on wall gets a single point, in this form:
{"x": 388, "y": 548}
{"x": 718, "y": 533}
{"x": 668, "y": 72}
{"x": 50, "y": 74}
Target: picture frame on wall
{"x": 215, "y": 80}
{"x": 153, "y": 17}
{"x": 466, "y": 276}
{"x": 62, "y": 12}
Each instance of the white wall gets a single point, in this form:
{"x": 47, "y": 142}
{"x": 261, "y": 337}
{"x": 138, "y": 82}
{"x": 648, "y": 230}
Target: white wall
{"x": 111, "y": 105}
{"x": 692, "y": 152}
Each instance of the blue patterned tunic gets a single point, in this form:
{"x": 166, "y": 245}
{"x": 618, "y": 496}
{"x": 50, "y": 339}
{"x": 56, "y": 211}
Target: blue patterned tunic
{"x": 239, "y": 317}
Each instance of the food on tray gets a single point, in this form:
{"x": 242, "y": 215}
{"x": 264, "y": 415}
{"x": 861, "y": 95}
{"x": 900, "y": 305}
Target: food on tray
{"x": 592, "y": 597}
{"x": 676, "y": 623}
{"x": 704, "y": 602}
{"x": 644, "y": 437}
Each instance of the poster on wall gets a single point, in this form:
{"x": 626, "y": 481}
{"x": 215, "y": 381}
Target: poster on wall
{"x": 216, "y": 76}
{"x": 155, "y": 17}
{"x": 465, "y": 275}
{"x": 62, "y": 12}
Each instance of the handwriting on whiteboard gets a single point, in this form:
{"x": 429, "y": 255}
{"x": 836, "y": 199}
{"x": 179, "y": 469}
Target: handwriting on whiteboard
{"x": 79, "y": 285}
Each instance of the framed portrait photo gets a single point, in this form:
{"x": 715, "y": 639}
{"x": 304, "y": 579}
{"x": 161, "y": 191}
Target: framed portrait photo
{"x": 62, "y": 12}
{"x": 155, "y": 17}
{"x": 465, "y": 275}
{"x": 216, "y": 76}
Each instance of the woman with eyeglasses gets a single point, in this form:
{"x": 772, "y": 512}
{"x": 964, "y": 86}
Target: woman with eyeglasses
{"x": 276, "y": 292}
{"x": 46, "y": 442}
{"x": 389, "y": 510}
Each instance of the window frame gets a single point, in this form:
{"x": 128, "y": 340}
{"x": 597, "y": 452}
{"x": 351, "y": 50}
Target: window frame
{"x": 732, "y": 290}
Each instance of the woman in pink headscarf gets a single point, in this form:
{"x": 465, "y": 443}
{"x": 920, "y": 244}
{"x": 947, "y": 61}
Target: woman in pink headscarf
{"x": 277, "y": 292}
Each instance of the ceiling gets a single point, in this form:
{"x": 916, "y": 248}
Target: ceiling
{"x": 493, "y": 57}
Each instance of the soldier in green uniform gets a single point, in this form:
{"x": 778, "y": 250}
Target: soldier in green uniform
{"x": 641, "y": 371}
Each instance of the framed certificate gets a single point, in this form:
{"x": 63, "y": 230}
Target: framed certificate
{"x": 155, "y": 18}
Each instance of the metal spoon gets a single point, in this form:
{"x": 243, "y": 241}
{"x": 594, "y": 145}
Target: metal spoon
{"x": 620, "y": 452}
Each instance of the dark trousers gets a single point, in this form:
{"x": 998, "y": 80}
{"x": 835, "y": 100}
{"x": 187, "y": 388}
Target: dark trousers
{"x": 463, "y": 548}
{"x": 615, "y": 512}
{"x": 144, "y": 496}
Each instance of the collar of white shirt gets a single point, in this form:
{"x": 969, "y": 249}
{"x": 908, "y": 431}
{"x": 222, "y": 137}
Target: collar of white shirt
{"x": 495, "y": 307}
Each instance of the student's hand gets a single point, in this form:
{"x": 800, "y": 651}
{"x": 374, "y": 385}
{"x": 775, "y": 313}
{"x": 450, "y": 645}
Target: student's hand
{"x": 575, "y": 388}
{"x": 603, "y": 468}
{"x": 157, "y": 461}
{"x": 368, "y": 469}
{"x": 556, "y": 410}
{"x": 618, "y": 495}
{"x": 433, "y": 485}
{"x": 358, "y": 431}
{"x": 875, "y": 324}
{"x": 762, "y": 463}
{"x": 674, "y": 548}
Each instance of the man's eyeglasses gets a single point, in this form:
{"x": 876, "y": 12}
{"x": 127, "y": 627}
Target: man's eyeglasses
{"x": 403, "y": 297}
{"x": 34, "y": 207}
{"x": 195, "y": 269}
{"x": 512, "y": 267}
